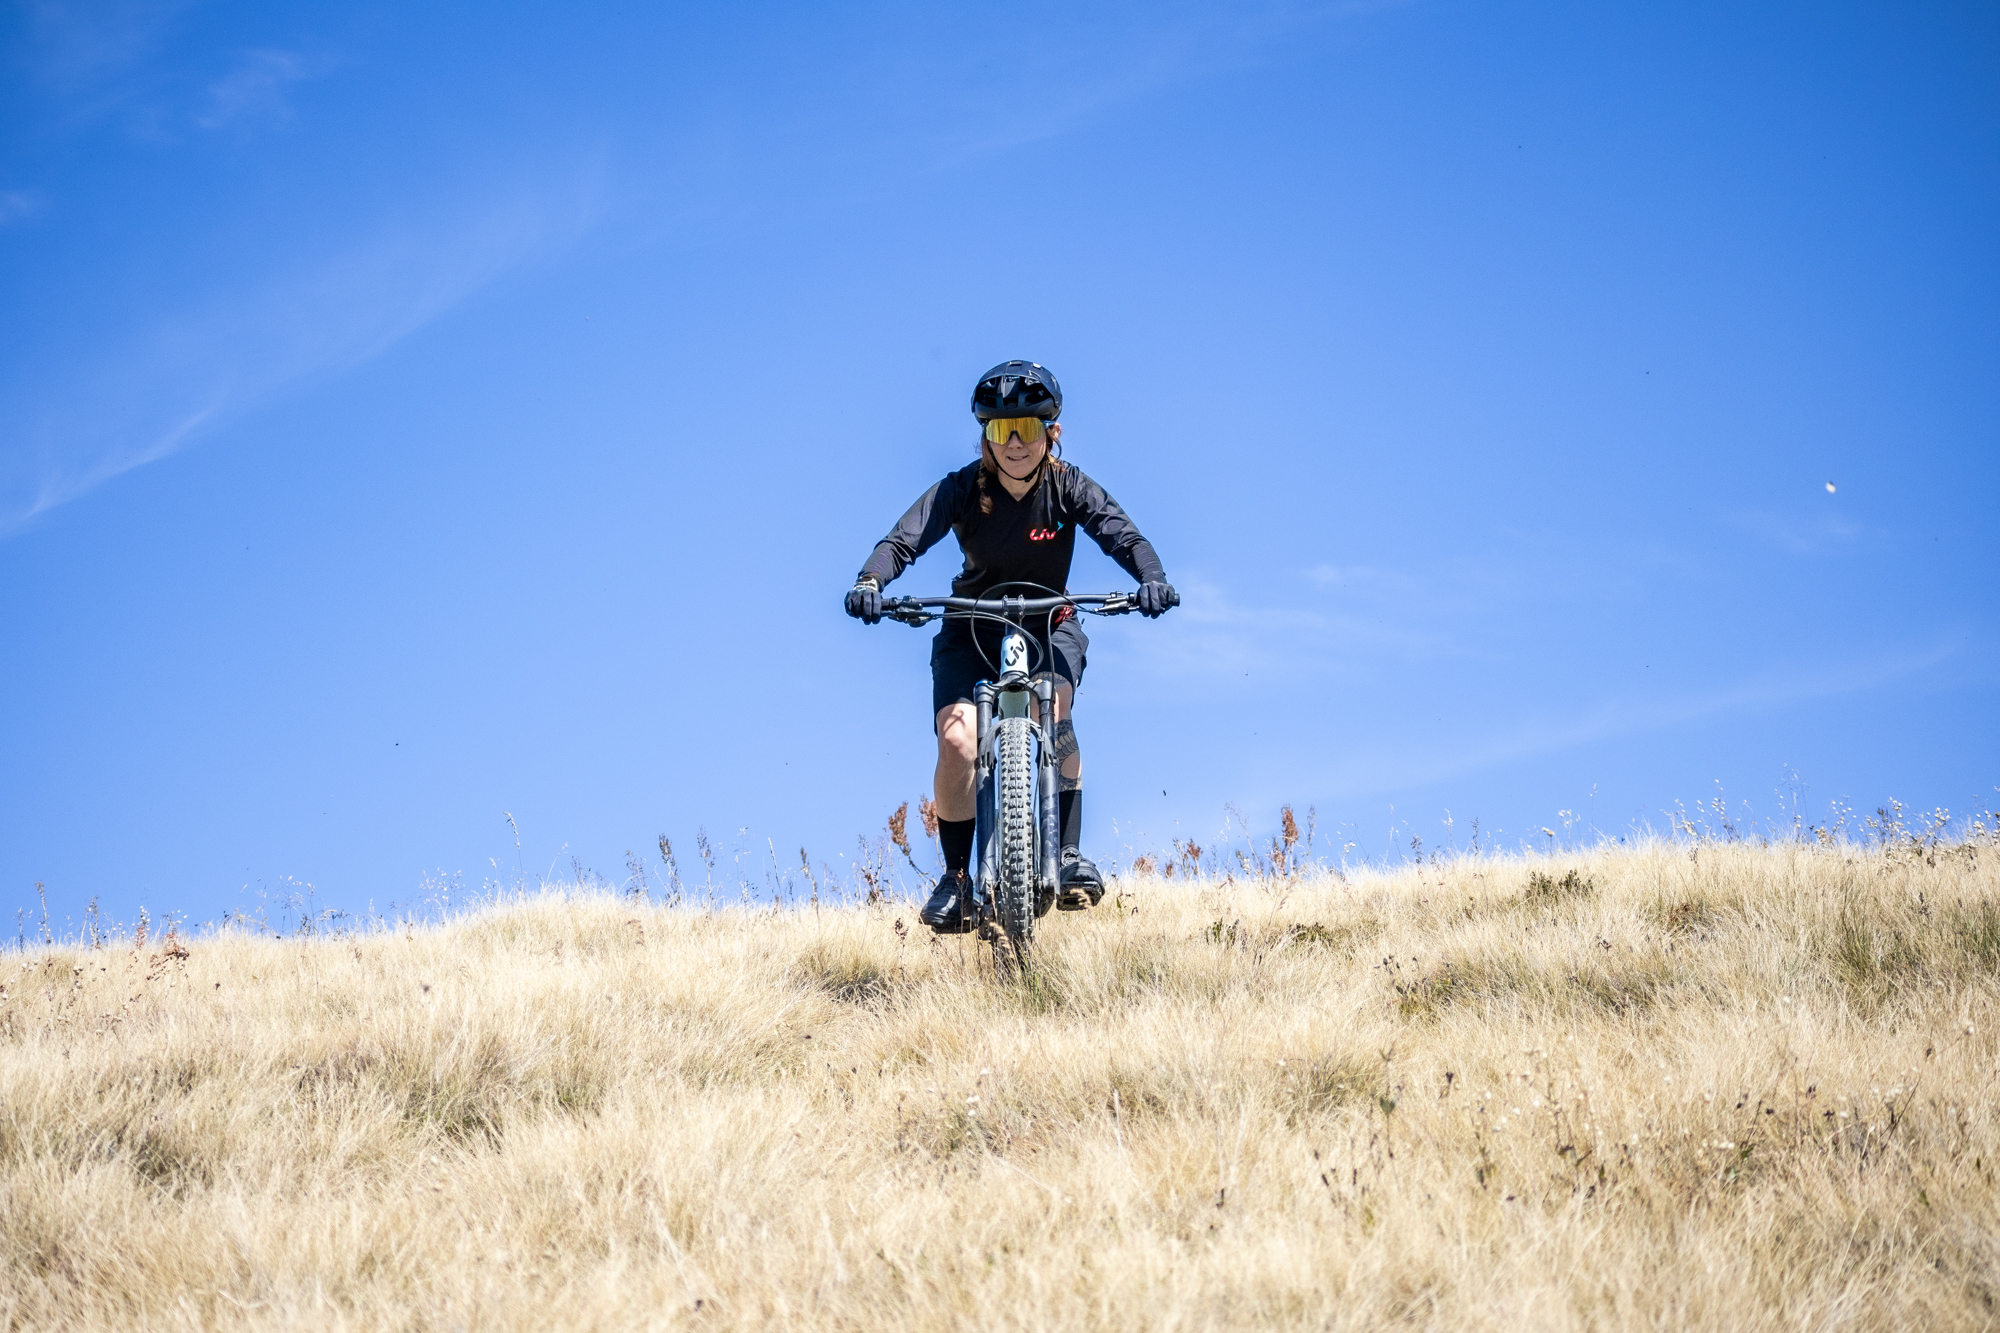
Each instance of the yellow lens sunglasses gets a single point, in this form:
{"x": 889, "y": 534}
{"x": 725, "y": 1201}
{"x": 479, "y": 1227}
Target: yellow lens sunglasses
{"x": 1032, "y": 430}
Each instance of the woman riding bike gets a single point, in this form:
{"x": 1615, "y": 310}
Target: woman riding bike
{"x": 1015, "y": 512}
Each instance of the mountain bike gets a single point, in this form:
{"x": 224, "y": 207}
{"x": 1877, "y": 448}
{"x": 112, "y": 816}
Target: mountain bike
{"x": 1016, "y": 840}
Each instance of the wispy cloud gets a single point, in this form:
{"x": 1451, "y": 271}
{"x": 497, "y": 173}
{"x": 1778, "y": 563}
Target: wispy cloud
{"x": 194, "y": 373}
{"x": 72, "y": 44}
{"x": 1404, "y": 765}
{"x": 900, "y": 101}
{"x": 1361, "y": 631}
{"x": 1073, "y": 85}
{"x": 1348, "y": 622}
{"x": 1217, "y": 633}
{"x": 1797, "y": 534}
{"x": 114, "y": 62}
{"x": 1365, "y": 577}
{"x": 254, "y": 91}
{"x": 17, "y": 205}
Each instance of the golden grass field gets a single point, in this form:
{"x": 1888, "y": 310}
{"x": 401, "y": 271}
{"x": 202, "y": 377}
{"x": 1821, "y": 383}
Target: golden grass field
{"x": 1671, "y": 1086}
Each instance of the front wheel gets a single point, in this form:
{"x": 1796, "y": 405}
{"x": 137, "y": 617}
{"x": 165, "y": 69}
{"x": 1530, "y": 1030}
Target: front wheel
{"x": 1014, "y": 894}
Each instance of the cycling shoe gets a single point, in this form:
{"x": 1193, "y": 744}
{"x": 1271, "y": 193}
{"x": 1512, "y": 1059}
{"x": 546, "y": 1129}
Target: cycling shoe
{"x": 1082, "y": 886}
{"x": 949, "y": 911}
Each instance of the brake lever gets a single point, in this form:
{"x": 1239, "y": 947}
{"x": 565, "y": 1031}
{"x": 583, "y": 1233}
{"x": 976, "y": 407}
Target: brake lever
{"x": 1118, "y": 604}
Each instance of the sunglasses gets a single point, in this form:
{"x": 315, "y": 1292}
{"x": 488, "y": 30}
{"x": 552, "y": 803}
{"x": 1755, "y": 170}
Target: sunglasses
{"x": 1032, "y": 430}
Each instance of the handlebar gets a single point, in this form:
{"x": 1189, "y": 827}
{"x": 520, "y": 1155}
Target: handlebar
{"x": 923, "y": 610}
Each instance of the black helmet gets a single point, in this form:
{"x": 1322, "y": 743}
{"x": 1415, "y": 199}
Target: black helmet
{"x": 1017, "y": 389}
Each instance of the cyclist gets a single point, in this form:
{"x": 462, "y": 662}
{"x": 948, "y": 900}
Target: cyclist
{"x": 1015, "y": 512}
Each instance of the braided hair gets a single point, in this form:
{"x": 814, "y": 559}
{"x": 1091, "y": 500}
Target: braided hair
{"x": 989, "y": 466}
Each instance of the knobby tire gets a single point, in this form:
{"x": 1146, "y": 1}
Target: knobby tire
{"x": 1015, "y": 893}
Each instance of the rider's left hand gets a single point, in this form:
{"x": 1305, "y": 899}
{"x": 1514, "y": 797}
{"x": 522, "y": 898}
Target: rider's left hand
{"x": 1156, "y": 599}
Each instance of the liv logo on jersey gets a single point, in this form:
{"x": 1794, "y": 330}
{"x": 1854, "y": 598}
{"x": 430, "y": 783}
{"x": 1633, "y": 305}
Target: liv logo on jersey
{"x": 1044, "y": 534}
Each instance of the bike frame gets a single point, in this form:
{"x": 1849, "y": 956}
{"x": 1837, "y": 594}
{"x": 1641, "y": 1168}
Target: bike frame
{"x": 1016, "y": 691}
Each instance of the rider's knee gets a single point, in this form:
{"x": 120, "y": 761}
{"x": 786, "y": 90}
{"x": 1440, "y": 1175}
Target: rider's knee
{"x": 958, "y": 733}
{"x": 1068, "y": 757}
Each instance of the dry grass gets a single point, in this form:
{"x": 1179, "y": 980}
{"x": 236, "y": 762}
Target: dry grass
{"x": 1665, "y": 1087}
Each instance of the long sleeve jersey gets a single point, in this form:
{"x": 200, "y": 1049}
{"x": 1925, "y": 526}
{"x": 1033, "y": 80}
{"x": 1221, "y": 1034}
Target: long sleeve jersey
{"x": 1025, "y": 541}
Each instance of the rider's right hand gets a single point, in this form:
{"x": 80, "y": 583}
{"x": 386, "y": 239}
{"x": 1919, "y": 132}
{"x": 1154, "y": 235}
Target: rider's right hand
{"x": 864, "y": 601}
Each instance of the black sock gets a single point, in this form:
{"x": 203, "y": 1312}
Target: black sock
{"x": 1069, "y": 808}
{"x": 955, "y": 836}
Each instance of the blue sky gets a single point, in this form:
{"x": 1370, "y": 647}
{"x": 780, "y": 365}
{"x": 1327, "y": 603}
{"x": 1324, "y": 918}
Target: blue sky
{"x": 414, "y": 416}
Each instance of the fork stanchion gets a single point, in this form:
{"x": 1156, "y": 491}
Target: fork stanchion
{"x": 982, "y": 808}
{"x": 1045, "y": 814}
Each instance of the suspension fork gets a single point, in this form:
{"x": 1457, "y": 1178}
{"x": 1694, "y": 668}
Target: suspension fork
{"x": 1045, "y": 790}
{"x": 982, "y": 799}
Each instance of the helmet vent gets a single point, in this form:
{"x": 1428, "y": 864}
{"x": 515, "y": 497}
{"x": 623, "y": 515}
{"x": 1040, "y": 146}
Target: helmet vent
{"x": 1017, "y": 389}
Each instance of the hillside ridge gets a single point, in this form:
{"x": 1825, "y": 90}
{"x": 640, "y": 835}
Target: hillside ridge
{"x": 1689, "y": 1084}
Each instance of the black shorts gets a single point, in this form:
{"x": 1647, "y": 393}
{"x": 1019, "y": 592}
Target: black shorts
{"x": 957, "y": 664}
